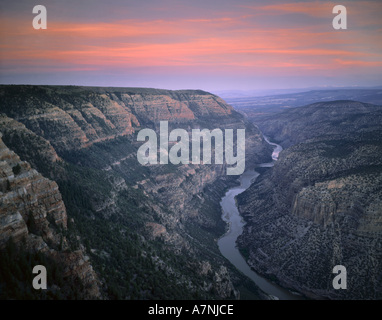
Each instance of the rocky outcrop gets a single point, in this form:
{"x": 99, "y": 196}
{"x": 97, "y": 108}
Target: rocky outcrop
{"x": 28, "y": 197}
{"x": 33, "y": 215}
{"x": 223, "y": 284}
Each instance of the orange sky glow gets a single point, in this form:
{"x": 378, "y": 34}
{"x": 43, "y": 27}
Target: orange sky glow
{"x": 288, "y": 39}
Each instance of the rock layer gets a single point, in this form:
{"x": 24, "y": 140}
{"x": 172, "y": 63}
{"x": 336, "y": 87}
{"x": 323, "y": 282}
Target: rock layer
{"x": 32, "y": 214}
{"x": 85, "y": 139}
{"x": 320, "y": 205}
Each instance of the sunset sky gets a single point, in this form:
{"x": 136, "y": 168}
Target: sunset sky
{"x": 192, "y": 44}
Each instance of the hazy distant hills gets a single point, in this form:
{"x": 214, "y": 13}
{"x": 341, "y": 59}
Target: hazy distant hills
{"x": 255, "y": 107}
{"x": 271, "y": 92}
{"x": 333, "y": 118}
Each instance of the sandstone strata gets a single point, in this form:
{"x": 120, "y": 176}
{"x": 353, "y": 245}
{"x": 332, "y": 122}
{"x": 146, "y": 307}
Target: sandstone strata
{"x": 32, "y": 214}
{"x": 85, "y": 139}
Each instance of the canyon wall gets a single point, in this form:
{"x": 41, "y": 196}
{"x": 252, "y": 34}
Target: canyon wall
{"x": 133, "y": 219}
{"x": 33, "y": 215}
{"x": 321, "y": 204}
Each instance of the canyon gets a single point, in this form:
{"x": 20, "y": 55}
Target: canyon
{"x": 74, "y": 196}
{"x": 125, "y": 230}
{"x": 320, "y": 205}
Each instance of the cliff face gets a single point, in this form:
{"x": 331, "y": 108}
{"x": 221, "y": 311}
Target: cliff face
{"x": 320, "y": 205}
{"x": 32, "y": 214}
{"x": 129, "y": 216}
{"x": 60, "y": 120}
{"x": 28, "y": 199}
{"x": 74, "y": 118}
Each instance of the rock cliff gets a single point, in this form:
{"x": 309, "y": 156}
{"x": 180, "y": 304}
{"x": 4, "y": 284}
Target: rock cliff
{"x": 320, "y": 205}
{"x": 131, "y": 219}
{"x": 32, "y": 215}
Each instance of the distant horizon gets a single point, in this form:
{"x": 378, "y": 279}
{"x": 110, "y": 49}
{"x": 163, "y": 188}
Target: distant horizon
{"x": 248, "y": 93}
{"x": 201, "y": 44}
{"x": 377, "y": 85}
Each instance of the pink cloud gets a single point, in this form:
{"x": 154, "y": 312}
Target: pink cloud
{"x": 219, "y": 44}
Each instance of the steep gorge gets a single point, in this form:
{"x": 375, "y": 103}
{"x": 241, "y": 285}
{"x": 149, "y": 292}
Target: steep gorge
{"x": 149, "y": 231}
{"x": 320, "y": 205}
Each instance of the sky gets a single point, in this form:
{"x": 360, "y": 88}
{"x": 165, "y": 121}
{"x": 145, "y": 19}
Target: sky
{"x": 192, "y": 44}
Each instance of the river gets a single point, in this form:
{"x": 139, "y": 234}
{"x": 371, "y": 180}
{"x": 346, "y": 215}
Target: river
{"x": 227, "y": 243}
